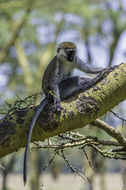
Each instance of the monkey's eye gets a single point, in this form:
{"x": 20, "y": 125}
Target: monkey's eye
{"x": 58, "y": 49}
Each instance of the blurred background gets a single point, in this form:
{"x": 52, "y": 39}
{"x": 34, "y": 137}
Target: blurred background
{"x": 29, "y": 33}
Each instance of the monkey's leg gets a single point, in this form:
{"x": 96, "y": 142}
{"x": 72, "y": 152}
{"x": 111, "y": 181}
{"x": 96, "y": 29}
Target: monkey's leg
{"x": 72, "y": 85}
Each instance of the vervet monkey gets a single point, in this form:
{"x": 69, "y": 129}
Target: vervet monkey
{"x": 58, "y": 83}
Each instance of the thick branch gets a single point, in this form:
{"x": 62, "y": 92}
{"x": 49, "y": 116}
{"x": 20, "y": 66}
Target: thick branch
{"x": 77, "y": 111}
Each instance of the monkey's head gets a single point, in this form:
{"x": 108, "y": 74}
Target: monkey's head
{"x": 67, "y": 50}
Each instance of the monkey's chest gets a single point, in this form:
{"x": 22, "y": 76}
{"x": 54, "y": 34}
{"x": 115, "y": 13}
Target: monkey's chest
{"x": 66, "y": 71}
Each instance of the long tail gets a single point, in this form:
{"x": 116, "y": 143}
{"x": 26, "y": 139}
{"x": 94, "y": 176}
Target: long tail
{"x": 39, "y": 109}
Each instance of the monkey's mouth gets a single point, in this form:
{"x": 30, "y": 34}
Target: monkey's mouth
{"x": 70, "y": 56}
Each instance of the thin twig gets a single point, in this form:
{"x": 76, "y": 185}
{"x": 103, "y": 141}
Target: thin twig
{"x": 89, "y": 162}
{"x": 117, "y": 115}
{"x": 50, "y": 161}
{"x": 75, "y": 170}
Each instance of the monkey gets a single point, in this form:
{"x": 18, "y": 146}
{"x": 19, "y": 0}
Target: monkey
{"x": 58, "y": 83}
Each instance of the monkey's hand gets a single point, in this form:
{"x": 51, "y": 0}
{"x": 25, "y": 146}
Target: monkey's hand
{"x": 108, "y": 70}
{"x": 113, "y": 67}
{"x": 57, "y": 105}
{"x": 105, "y": 71}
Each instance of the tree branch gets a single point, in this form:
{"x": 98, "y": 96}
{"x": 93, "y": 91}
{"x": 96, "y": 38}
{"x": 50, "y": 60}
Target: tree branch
{"x": 77, "y": 111}
{"x": 111, "y": 131}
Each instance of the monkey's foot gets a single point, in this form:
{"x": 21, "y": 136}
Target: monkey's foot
{"x": 57, "y": 106}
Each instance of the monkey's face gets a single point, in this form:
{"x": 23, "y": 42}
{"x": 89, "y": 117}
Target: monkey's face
{"x": 70, "y": 54}
{"x": 67, "y": 50}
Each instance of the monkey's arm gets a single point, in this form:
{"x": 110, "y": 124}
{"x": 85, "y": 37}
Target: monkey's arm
{"x": 86, "y": 67}
{"x": 54, "y": 87}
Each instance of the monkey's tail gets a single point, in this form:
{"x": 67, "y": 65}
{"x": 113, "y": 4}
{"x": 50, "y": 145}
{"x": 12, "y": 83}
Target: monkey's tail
{"x": 39, "y": 109}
